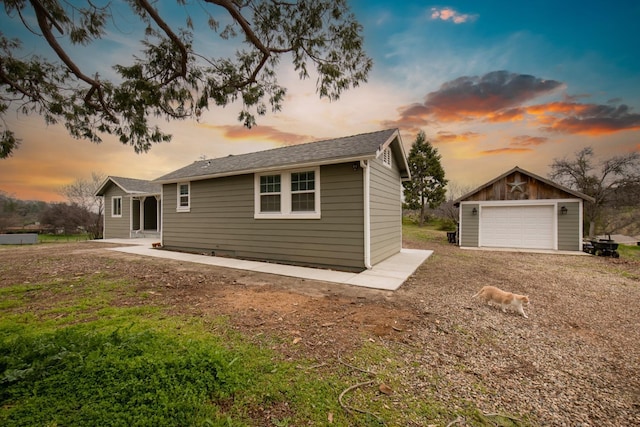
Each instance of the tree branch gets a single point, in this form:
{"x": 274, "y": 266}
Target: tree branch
{"x": 153, "y": 13}
{"x": 249, "y": 33}
{"x": 45, "y": 22}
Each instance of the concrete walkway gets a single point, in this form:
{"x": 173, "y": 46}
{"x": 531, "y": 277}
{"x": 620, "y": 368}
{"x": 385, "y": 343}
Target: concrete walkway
{"x": 390, "y": 274}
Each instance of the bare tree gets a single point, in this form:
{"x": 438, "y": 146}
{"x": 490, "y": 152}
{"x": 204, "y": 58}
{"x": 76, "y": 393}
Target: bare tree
{"x": 448, "y": 210}
{"x": 598, "y": 180}
{"x": 82, "y": 193}
{"x": 70, "y": 218}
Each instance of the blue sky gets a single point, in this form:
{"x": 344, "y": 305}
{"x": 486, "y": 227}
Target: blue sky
{"x": 493, "y": 84}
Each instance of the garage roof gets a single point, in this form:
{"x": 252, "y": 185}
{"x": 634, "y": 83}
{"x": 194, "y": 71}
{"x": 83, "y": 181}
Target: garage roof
{"x": 532, "y": 175}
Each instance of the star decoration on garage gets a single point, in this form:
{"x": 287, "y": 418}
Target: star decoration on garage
{"x": 517, "y": 185}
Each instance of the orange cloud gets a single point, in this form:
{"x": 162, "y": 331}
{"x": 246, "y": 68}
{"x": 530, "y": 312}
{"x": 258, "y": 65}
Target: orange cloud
{"x": 585, "y": 119}
{"x": 591, "y": 126}
{"x": 239, "y": 132}
{"x": 475, "y": 97}
{"x": 511, "y": 115}
{"x": 505, "y": 151}
{"x": 502, "y": 97}
{"x": 557, "y": 108}
{"x": 450, "y": 137}
{"x": 526, "y": 140}
{"x": 495, "y": 96}
{"x": 412, "y": 118}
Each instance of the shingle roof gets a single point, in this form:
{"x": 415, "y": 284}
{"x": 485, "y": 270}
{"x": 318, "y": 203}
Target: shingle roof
{"x": 350, "y": 148}
{"x": 131, "y": 185}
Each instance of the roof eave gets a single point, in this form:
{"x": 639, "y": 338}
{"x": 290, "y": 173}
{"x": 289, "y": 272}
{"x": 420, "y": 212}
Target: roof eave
{"x": 405, "y": 173}
{"x": 144, "y": 193}
{"x": 266, "y": 169}
{"x": 103, "y": 188}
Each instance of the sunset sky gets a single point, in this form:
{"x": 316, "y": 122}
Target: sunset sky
{"x": 493, "y": 84}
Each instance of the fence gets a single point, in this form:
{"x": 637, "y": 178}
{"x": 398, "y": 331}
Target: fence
{"x": 19, "y": 239}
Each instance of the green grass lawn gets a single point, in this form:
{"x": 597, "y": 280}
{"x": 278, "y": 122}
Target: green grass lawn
{"x": 629, "y": 252}
{"x": 62, "y": 238}
{"x": 137, "y": 367}
{"x": 430, "y": 232}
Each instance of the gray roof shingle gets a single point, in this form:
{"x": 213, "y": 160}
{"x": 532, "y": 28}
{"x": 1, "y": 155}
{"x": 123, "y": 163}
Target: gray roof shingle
{"x": 348, "y": 148}
{"x": 131, "y": 185}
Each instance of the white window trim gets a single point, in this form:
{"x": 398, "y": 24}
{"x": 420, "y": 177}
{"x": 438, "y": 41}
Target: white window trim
{"x": 113, "y": 199}
{"x": 183, "y": 208}
{"x": 285, "y": 196}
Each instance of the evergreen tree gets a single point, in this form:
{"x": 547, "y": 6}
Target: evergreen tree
{"x": 428, "y": 185}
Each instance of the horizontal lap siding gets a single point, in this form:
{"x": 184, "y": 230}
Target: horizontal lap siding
{"x": 569, "y": 238}
{"x": 469, "y": 225}
{"x": 221, "y": 221}
{"x": 116, "y": 228}
{"x": 386, "y": 211}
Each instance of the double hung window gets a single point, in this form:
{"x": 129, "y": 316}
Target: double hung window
{"x": 270, "y": 193}
{"x": 184, "y": 197}
{"x": 116, "y": 206}
{"x": 288, "y": 194}
{"x": 303, "y": 194}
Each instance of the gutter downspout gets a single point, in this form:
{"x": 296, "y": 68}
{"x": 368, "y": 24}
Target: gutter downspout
{"x": 161, "y": 213}
{"x": 130, "y": 215}
{"x": 104, "y": 215}
{"x": 142, "y": 200}
{"x": 580, "y": 223}
{"x": 364, "y": 164}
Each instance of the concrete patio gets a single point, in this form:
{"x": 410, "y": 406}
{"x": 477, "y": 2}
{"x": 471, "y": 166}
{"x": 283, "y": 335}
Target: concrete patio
{"x": 390, "y": 274}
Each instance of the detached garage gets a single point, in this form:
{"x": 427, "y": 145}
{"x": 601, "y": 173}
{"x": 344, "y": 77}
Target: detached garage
{"x": 521, "y": 210}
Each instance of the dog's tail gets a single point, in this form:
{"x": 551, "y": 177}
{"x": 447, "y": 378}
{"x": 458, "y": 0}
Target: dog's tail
{"x": 478, "y": 293}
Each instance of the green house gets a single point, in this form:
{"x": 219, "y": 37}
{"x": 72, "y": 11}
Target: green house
{"x": 331, "y": 204}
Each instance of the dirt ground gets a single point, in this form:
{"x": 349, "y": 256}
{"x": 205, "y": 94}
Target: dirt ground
{"x": 574, "y": 362}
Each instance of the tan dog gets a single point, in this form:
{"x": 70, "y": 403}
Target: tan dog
{"x": 505, "y": 299}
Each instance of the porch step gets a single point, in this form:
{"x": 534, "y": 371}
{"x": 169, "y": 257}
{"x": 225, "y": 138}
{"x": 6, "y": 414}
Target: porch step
{"x": 145, "y": 234}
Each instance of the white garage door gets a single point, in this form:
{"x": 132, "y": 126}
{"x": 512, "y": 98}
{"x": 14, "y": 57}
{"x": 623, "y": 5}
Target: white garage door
{"x": 517, "y": 227}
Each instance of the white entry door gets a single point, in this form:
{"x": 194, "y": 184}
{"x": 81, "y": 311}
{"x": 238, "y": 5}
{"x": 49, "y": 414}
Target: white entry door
{"x": 529, "y": 227}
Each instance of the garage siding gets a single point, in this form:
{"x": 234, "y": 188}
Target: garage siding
{"x": 469, "y": 228}
{"x": 569, "y": 236}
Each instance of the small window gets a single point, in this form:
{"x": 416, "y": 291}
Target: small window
{"x": 270, "y": 195}
{"x": 184, "y": 197}
{"x": 386, "y": 157}
{"x": 116, "y": 206}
